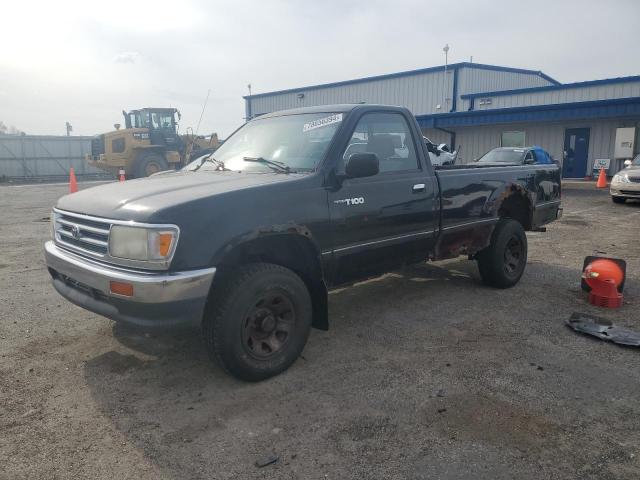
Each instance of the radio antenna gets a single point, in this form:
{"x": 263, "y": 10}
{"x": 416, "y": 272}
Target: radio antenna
{"x": 202, "y": 113}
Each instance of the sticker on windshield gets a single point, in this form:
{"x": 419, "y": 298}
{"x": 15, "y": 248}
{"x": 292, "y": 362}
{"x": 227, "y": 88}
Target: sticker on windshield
{"x": 322, "y": 122}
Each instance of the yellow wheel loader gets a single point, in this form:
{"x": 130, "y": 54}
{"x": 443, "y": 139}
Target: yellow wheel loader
{"x": 149, "y": 143}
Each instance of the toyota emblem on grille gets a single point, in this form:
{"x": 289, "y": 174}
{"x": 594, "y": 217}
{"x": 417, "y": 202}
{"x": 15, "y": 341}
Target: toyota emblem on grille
{"x": 75, "y": 232}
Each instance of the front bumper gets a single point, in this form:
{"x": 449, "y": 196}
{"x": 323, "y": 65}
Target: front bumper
{"x": 159, "y": 298}
{"x": 626, "y": 189}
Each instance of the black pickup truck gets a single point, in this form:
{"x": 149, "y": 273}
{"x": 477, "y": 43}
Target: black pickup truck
{"x": 245, "y": 243}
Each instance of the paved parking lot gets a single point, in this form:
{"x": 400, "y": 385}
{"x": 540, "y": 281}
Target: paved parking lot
{"x": 425, "y": 373}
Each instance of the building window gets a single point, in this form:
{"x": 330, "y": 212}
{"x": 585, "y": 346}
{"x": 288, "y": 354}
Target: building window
{"x": 512, "y": 139}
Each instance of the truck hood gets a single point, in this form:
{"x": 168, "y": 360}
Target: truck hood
{"x": 139, "y": 199}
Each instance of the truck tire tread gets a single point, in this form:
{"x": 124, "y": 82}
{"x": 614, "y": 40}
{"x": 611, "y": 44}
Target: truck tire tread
{"x": 491, "y": 260}
{"x": 219, "y": 318}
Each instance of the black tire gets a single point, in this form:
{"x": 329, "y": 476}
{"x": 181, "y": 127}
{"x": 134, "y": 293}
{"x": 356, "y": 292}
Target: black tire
{"x": 237, "y": 326}
{"x": 618, "y": 199}
{"x": 148, "y": 164}
{"x": 502, "y": 263}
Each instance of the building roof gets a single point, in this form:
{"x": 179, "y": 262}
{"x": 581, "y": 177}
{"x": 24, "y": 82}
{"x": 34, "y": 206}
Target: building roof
{"x": 562, "y": 86}
{"x": 613, "y": 108}
{"x": 453, "y": 66}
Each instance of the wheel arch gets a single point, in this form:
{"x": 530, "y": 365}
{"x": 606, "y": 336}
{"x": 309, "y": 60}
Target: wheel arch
{"x": 295, "y": 251}
{"x": 514, "y": 202}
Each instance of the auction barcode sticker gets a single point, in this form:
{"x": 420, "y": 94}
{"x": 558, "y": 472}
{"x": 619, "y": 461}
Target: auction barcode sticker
{"x": 322, "y": 122}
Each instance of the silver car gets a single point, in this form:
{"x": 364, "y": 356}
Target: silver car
{"x": 626, "y": 183}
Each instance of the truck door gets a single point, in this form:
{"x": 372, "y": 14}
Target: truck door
{"x": 382, "y": 221}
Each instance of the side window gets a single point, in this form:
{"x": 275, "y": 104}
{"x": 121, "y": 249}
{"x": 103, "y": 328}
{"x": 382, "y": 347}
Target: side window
{"x": 530, "y": 156}
{"x": 389, "y": 137}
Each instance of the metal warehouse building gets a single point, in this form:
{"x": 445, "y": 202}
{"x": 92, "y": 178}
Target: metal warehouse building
{"x": 477, "y": 107}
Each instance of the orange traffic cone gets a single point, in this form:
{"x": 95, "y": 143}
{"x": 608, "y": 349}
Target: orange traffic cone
{"x": 73, "y": 183}
{"x": 121, "y": 173}
{"x": 602, "y": 179}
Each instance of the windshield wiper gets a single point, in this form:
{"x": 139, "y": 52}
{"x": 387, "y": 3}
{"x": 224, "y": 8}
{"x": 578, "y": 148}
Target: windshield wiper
{"x": 209, "y": 158}
{"x": 275, "y": 165}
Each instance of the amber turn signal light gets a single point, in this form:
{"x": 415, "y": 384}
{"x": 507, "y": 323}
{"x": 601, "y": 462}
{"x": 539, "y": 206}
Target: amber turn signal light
{"x": 164, "y": 243}
{"x": 121, "y": 288}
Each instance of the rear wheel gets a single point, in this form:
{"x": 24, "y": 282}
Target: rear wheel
{"x": 258, "y": 321}
{"x": 149, "y": 163}
{"x": 618, "y": 199}
{"x": 502, "y": 263}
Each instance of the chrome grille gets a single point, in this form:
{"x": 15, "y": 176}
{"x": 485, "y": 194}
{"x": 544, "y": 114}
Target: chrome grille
{"x": 634, "y": 179}
{"x": 89, "y": 236}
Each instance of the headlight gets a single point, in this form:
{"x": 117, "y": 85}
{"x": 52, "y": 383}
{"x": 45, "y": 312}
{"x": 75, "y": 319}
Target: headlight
{"x": 139, "y": 243}
{"x": 52, "y": 224}
{"x": 620, "y": 178}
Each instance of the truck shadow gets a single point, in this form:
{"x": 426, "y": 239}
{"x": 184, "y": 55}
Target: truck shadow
{"x": 191, "y": 420}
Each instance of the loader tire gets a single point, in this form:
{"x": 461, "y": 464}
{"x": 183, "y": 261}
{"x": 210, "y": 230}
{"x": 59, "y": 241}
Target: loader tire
{"x": 148, "y": 164}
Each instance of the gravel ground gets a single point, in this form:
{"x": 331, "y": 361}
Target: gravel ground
{"x": 425, "y": 373}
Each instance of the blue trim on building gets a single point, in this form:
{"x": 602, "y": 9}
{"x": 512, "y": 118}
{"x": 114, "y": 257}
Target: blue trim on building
{"x": 620, "y": 107}
{"x": 472, "y": 104}
{"x": 590, "y": 83}
{"x": 388, "y": 76}
{"x": 454, "y": 99}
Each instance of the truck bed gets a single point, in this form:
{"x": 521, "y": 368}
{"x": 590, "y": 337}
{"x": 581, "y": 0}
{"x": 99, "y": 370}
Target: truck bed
{"x": 470, "y": 195}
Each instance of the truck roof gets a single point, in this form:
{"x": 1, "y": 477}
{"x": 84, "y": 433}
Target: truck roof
{"x": 339, "y": 108}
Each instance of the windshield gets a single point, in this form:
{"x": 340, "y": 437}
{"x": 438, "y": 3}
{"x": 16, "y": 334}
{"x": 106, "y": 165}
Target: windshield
{"x": 138, "y": 119}
{"x": 162, "y": 120}
{"x": 295, "y": 141}
{"x": 503, "y": 155}
{"x": 636, "y": 161}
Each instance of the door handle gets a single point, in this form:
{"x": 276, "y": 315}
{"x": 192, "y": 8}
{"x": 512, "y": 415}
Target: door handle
{"x": 418, "y": 187}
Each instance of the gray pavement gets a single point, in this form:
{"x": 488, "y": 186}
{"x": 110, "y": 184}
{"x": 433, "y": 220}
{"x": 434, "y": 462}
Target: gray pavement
{"x": 425, "y": 373}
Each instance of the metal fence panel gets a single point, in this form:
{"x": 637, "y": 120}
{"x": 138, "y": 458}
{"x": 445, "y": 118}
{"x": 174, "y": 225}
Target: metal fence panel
{"x": 33, "y": 157}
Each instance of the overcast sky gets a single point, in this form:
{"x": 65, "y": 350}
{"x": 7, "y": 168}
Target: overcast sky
{"x": 84, "y": 61}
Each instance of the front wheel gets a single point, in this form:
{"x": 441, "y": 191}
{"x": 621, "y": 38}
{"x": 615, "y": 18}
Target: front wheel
{"x": 502, "y": 263}
{"x": 258, "y": 321}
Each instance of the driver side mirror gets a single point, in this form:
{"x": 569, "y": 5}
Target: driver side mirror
{"x": 627, "y": 163}
{"x": 362, "y": 165}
